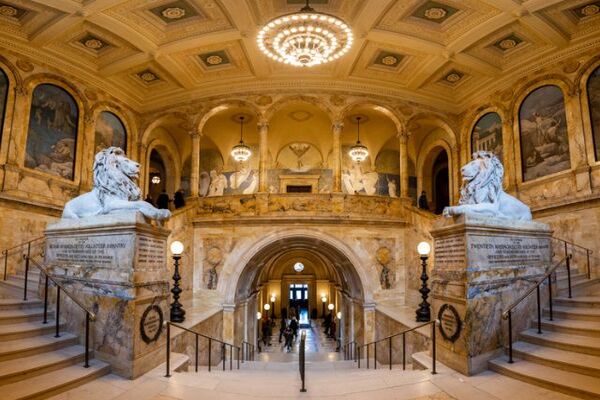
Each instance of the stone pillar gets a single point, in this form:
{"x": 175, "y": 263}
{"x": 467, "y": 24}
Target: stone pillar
{"x": 482, "y": 265}
{"x": 337, "y": 128}
{"x": 509, "y": 162}
{"x": 246, "y": 320}
{"x": 263, "y": 131}
{"x": 116, "y": 266}
{"x": 195, "y": 173}
{"x": 351, "y": 316}
{"x": 403, "y": 140}
{"x": 89, "y": 151}
{"x": 577, "y": 148}
{"x": 228, "y": 323}
{"x": 144, "y": 165}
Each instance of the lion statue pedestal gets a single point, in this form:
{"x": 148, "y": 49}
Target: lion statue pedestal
{"x": 110, "y": 257}
{"x": 484, "y": 259}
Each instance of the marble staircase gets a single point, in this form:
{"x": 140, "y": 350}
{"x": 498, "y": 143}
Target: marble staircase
{"x": 34, "y": 364}
{"x": 565, "y": 357}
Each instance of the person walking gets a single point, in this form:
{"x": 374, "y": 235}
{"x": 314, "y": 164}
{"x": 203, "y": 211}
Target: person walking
{"x": 294, "y": 327}
{"x": 327, "y": 323}
{"x": 289, "y": 336}
{"x": 282, "y": 326}
{"x": 163, "y": 200}
{"x": 423, "y": 203}
{"x": 179, "y": 200}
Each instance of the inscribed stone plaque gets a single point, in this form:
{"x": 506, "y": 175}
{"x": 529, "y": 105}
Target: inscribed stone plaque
{"x": 450, "y": 323}
{"x": 450, "y": 252}
{"x": 151, "y": 323}
{"x": 498, "y": 251}
{"x": 95, "y": 251}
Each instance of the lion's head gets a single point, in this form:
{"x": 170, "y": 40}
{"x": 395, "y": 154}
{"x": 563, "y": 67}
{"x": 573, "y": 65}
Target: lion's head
{"x": 482, "y": 179}
{"x": 114, "y": 175}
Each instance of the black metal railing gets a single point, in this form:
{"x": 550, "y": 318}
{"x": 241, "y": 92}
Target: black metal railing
{"x": 572, "y": 249}
{"x": 224, "y": 347}
{"x": 302, "y": 360}
{"x": 361, "y": 350}
{"x": 507, "y": 314}
{"x": 350, "y": 350}
{"x": 19, "y": 249}
{"x": 89, "y": 315}
{"x": 247, "y": 351}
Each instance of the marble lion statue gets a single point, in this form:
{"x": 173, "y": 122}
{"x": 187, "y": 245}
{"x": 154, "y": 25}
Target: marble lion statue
{"x": 482, "y": 194}
{"x": 114, "y": 189}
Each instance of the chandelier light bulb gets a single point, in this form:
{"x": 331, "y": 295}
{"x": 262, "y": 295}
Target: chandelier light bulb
{"x": 359, "y": 152}
{"x": 240, "y": 152}
{"x": 305, "y": 38}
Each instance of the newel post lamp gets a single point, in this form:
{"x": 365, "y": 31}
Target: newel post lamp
{"x": 177, "y": 311}
{"x": 273, "y": 298}
{"x": 424, "y": 310}
{"x": 323, "y": 300}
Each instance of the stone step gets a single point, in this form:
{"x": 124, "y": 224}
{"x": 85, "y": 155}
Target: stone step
{"x": 19, "y": 304}
{"x": 570, "y": 383}
{"x": 27, "y": 329}
{"x": 12, "y": 349}
{"x": 27, "y": 315}
{"x": 576, "y": 279}
{"x": 52, "y": 383}
{"x": 577, "y": 313}
{"x": 556, "y": 358}
{"x": 16, "y": 287}
{"x": 572, "y": 326}
{"x": 578, "y": 344}
{"x": 579, "y": 301}
{"x": 37, "y": 364}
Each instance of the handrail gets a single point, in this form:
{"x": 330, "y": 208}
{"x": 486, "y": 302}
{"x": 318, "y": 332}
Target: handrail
{"x": 350, "y": 350}
{"x": 6, "y": 251}
{"x": 249, "y": 353}
{"x": 45, "y": 272}
{"x": 507, "y": 314}
{"x": 573, "y": 244}
{"x": 588, "y": 252}
{"x": 302, "y": 360}
{"x": 89, "y": 315}
{"x": 433, "y": 324}
{"x": 168, "y": 325}
{"x": 539, "y": 282}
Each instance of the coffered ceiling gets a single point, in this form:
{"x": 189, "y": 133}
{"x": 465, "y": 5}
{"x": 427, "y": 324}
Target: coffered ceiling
{"x": 156, "y": 53}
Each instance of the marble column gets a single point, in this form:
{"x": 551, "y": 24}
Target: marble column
{"x": 246, "y": 320}
{"x": 509, "y": 162}
{"x": 89, "y": 150}
{"x": 228, "y": 322}
{"x": 403, "y": 140}
{"x": 351, "y": 334}
{"x": 337, "y": 128}
{"x": 579, "y": 161}
{"x": 369, "y": 321}
{"x": 263, "y": 131}
{"x": 195, "y": 173}
{"x": 144, "y": 161}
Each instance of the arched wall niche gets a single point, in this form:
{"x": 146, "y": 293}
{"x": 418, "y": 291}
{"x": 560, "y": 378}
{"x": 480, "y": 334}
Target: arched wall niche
{"x": 169, "y": 154}
{"x": 5, "y": 88}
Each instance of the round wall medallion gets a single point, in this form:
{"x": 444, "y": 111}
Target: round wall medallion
{"x": 8, "y": 11}
{"x": 173, "y": 13}
{"x": 389, "y": 60}
{"x": 94, "y": 44}
{"x": 450, "y": 323}
{"x": 151, "y": 323}
{"x": 453, "y": 77}
{"x": 148, "y": 77}
{"x": 214, "y": 60}
{"x": 507, "y": 44}
{"x": 298, "y": 267}
{"x": 590, "y": 9}
{"x": 435, "y": 13}
{"x": 214, "y": 256}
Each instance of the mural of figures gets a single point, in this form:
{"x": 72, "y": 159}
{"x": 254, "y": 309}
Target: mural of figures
{"x": 593, "y": 90}
{"x": 110, "y": 131}
{"x": 52, "y": 133}
{"x": 543, "y": 128}
{"x": 383, "y": 180}
{"x": 218, "y": 184}
{"x": 299, "y": 157}
{"x": 356, "y": 180}
{"x": 487, "y": 134}
{"x": 3, "y": 98}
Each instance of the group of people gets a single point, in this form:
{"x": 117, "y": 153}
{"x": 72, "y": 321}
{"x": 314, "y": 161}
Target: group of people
{"x": 288, "y": 331}
{"x": 163, "y": 200}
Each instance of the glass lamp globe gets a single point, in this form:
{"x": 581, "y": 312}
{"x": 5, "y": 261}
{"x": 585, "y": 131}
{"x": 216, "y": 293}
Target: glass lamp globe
{"x": 267, "y": 307}
{"x": 423, "y": 248}
{"x": 176, "y": 248}
{"x": 324, "y": 299}
{"x": 339, "y": 315}
{"x": 258, "y": 315}
{"x": 273, "y": 298}
{"x": 156, "y": 179}
{"x": 330, "y": 307}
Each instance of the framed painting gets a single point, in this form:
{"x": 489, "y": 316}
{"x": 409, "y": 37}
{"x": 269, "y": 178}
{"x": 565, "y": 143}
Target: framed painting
{"x": 110, "y": 131}
{"x": 487, "y": 134}
{"x": 593, "y": 92}
{"x": 543, "y": 133}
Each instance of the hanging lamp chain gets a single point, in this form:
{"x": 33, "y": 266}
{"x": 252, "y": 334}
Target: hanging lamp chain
{"x": 307, "y": 7}
{"x": 242, "y": 129}
{"x": 357, "y": 129}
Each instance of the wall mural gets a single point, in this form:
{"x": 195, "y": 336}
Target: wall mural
{"x": 487, "y": 134}
{"x": 543, "y": 128}
{"x": 3, "y": 98}
{"x": 52, "y": 134}
{"x": 364, "y": 179}
{"x": 231, "y": 178}
{"x": 593, "y": 90}
{"x": 110, "y": 131}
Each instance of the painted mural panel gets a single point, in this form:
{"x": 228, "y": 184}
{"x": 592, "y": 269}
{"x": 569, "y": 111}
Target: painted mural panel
{"x": 218, "y": 179}
{"x": 3, "y": 98}
{"x": 544, "y": 139}
{"x": 364, "y": 178}
{"x": 110, "y": 131}
{"x": 52, "y": 134}
{"x": 593, "y": 89}
{"x": 487, "y": 134}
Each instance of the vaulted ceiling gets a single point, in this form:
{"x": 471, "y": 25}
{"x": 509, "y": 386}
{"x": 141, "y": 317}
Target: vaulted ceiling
{"x": 156, "y": 53}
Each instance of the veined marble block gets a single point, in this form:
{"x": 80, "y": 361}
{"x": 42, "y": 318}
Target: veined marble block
{"x": 116, "y": 265}
{"x": 481, "y": 266}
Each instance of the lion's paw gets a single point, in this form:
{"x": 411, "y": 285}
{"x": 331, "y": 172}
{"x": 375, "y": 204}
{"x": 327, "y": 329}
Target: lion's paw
{"x": 164, "y": 214}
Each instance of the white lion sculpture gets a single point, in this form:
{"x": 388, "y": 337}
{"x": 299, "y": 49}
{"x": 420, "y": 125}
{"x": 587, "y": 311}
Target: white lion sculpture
{"x": 482, "y": 194}
{"x": 114, "y": 189}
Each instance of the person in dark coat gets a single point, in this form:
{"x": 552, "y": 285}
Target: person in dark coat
{"x": 179, "y": 199}
{"x": 163, "y": 200}
{"x": 423, "y": 203}
{"x": 294, "y": 327}
{"x": 289, "y": 336}
{"x": 327, "y": 323}
{"x": 282, "y": 326}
